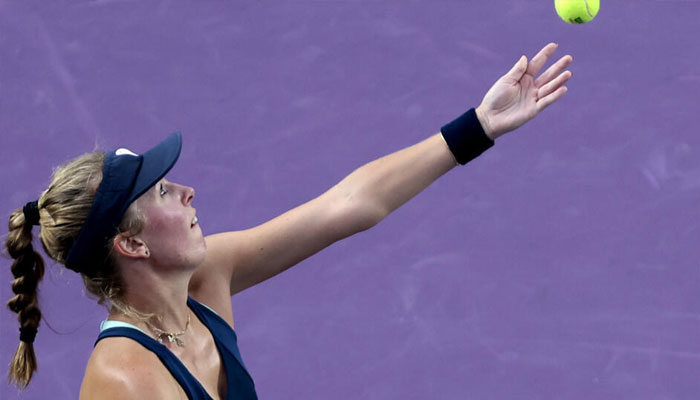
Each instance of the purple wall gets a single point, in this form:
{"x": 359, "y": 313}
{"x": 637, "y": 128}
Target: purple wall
{"x": 562, "y": 264}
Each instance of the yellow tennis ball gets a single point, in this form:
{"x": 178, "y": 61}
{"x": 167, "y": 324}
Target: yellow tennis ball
{"x": 577, "y": 11}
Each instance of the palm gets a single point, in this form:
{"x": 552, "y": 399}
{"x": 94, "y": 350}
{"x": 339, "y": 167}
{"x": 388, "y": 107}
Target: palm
{"x": 514, "y": 100}
{"x": 517, "y": 96}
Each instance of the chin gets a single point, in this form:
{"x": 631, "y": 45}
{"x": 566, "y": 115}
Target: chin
{"x": 198, "y": 256}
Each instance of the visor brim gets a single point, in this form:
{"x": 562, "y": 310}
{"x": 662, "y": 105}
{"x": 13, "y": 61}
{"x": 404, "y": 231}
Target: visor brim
{"x": 156, "y": 163}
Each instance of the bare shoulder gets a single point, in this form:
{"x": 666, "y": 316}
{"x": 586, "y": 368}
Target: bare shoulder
{"x": 120, "y": 368}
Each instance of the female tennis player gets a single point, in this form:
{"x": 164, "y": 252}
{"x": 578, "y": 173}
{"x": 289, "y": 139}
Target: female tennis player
{"x": 134, "y": 237}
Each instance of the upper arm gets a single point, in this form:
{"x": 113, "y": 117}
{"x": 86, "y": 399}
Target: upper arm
{"x": 238, "y": 260}
{"x": 241, "y": 259}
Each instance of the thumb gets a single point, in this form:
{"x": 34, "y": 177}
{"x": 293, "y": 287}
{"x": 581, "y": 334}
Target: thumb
{"x": 518, "y": 69}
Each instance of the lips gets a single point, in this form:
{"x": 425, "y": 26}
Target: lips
{"x": 194, "y": 221}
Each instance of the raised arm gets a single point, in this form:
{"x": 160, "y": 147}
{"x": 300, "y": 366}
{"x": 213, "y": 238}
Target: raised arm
{"x": 356, "y": 203}
{"x": 371, "y": 192}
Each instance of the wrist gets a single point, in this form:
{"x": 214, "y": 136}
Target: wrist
{"x": 465, "y": 137}
{"x": 485, "y": 123}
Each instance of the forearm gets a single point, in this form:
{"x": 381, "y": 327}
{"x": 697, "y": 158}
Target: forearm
{"x": 376, "y": 189}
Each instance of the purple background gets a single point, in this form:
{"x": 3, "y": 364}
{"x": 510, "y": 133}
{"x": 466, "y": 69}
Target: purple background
{"x": 562, "y": 264}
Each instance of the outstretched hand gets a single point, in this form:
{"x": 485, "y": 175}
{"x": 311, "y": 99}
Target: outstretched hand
{"x": 517, "y": 96}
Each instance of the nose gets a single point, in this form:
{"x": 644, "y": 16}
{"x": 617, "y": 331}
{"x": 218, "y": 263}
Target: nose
{"x": 187, "y": 195}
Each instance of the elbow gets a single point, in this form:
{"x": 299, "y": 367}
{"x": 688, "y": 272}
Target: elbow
{"x": 368, "y": 217}
{"x": 354, "y": 209}
{"x": 359, "y": 216}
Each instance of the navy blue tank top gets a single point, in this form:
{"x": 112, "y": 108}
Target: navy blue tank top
{"x": 239, "y": 384}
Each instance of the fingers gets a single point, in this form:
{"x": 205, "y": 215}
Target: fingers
{"x": 553, "y": 71}
{"x": 546, "y": 101}
{"x": 518, "y": 69}
{"x": 541, "y": 58}
{"x": 555, "y": 84}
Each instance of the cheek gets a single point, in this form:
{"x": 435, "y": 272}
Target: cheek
{"x": 165, "y": 230}
{"x": 172, "y": 240}
{"x": 161, "y": 223}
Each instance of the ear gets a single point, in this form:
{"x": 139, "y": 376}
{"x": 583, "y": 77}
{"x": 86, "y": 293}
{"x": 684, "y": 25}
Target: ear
{"x": 130, "y": 246}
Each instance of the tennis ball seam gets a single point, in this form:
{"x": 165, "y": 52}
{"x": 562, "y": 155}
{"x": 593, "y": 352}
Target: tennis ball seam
{"x": 588, "y": 10}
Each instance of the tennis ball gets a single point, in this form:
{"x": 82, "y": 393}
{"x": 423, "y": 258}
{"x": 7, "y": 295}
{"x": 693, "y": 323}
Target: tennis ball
{"x": 577, "y": 11}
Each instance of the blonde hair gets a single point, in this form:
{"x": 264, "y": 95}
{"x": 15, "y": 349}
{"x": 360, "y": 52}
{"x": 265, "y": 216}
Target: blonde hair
{"x": 63, "y": 209}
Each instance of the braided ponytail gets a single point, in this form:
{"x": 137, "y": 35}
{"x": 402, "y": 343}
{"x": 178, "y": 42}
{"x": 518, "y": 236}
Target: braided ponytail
{"x": 63, "y": 209}
{"x": 27, "y": 269}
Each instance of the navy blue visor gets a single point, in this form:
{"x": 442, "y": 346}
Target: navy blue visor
{"x": 125, "y": 177}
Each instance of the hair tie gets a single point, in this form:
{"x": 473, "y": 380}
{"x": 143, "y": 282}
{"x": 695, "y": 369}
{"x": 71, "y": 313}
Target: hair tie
{"x": 27, "y": 334}
{"x": 31, "y": 213}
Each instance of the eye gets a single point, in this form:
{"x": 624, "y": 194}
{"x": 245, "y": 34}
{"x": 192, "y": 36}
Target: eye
{"x": 163, "y": 190}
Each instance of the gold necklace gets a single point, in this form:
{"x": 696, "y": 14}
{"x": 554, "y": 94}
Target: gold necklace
{"x": 170, "y": 336}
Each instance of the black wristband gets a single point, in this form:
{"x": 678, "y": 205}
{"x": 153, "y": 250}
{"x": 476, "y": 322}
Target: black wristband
{"x": 466, "y": 137}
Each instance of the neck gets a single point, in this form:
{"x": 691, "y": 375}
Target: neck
{"x": 163, "y": 295}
